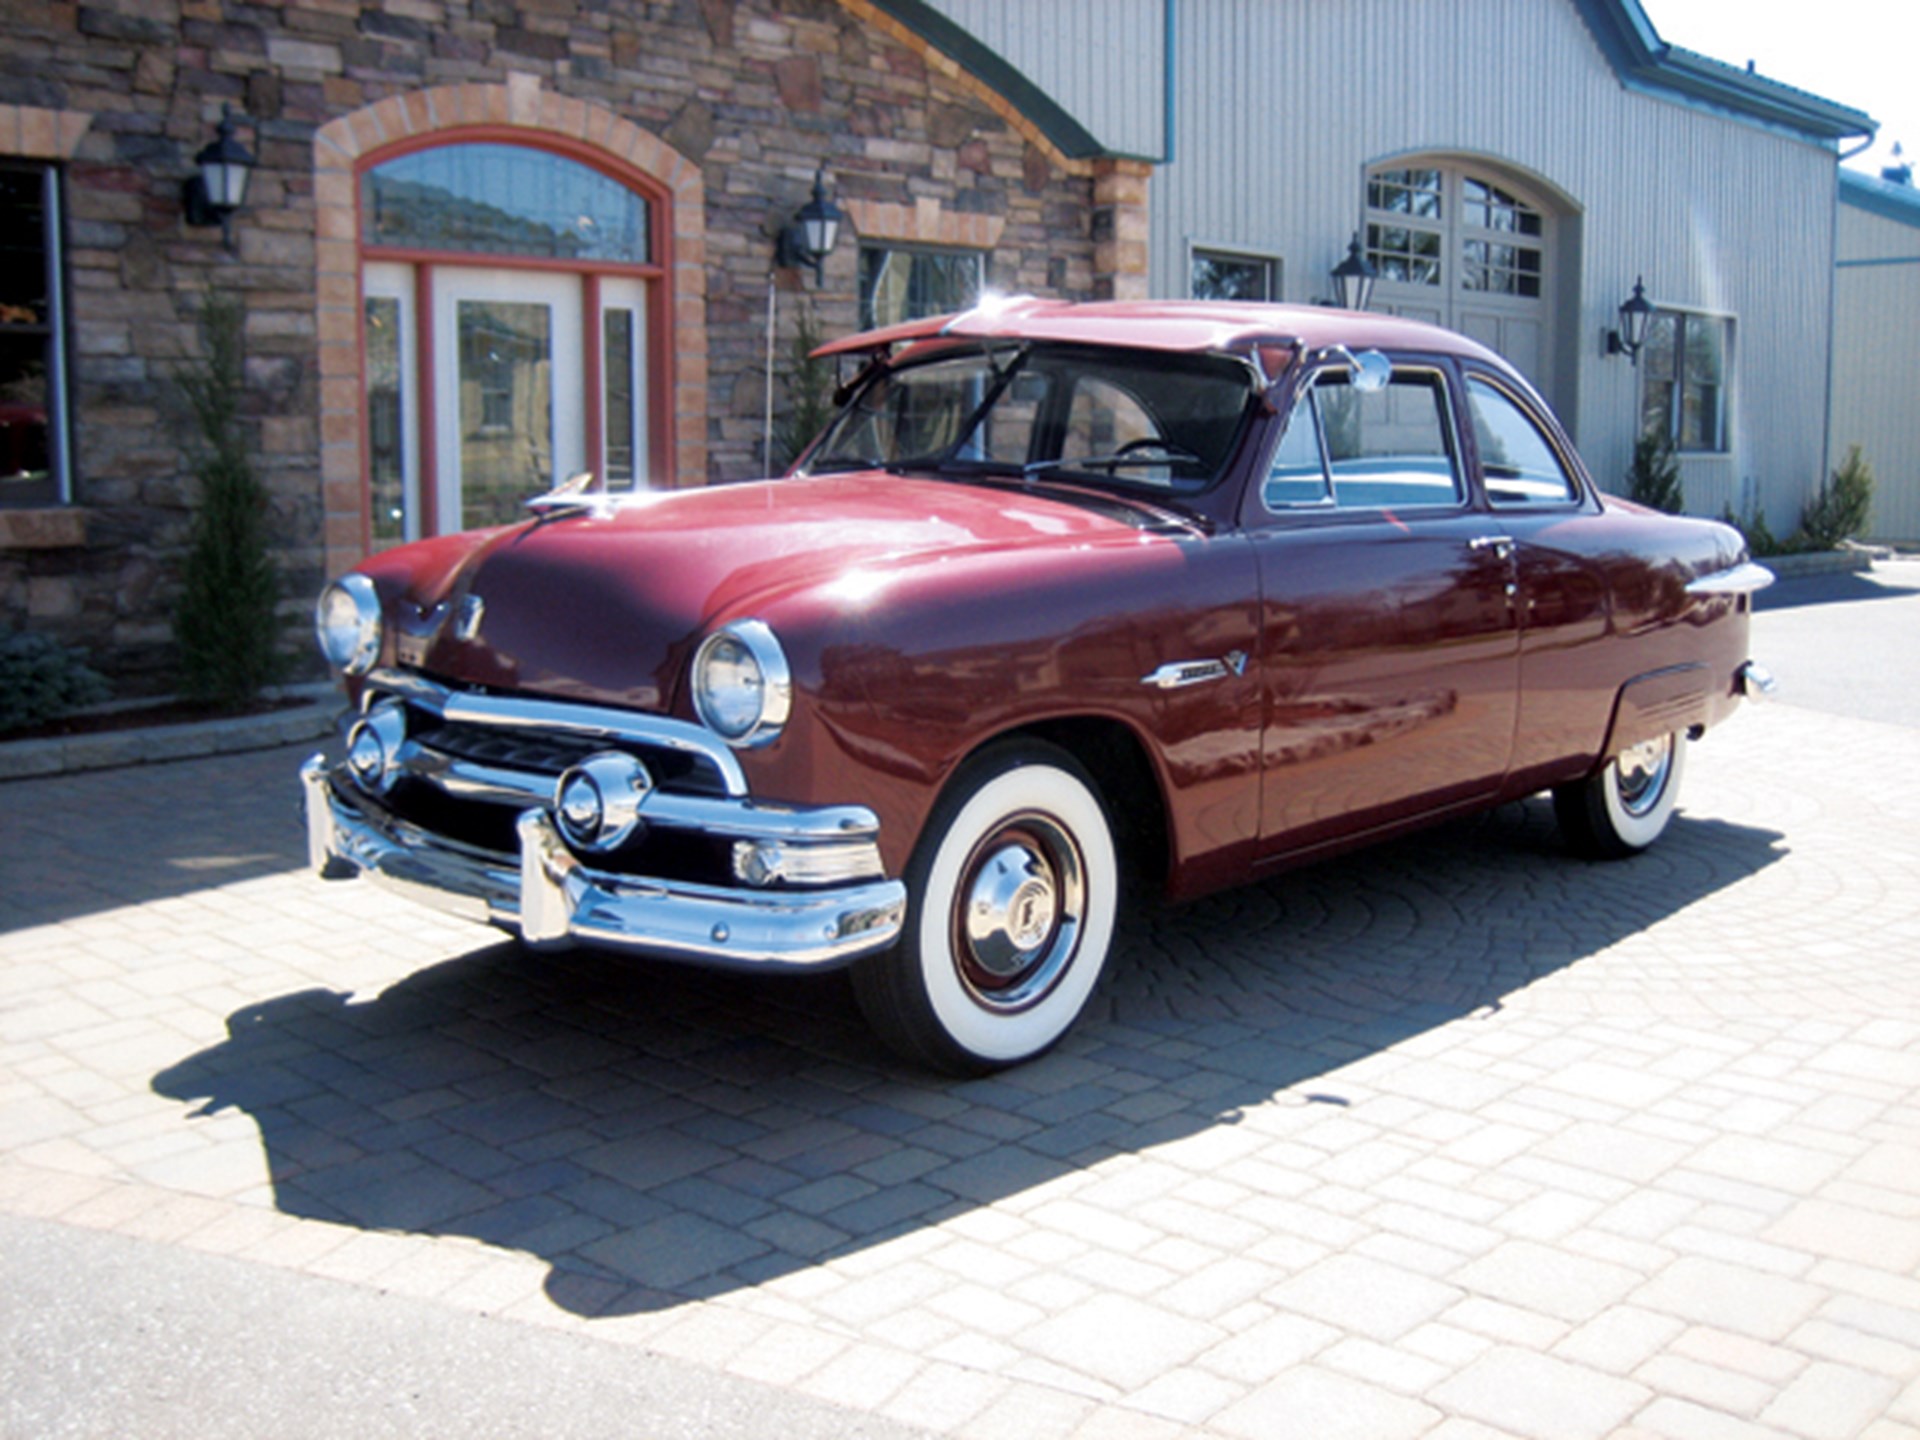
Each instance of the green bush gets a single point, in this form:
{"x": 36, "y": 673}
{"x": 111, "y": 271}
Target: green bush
{"x": 41, "y": 680}
{"x": 1761, "y": 541}
{"x": 1843, "y": 507}
{"x": 1653, "y": 479}
{"x": 225, "y": 625}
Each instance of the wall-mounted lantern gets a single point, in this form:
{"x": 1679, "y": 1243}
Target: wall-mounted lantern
{"x": 219, "y": 187}
{"x": 1636, "y": 311}
{"x": 810, "y": 236}
{"x": 1353, "y": 278}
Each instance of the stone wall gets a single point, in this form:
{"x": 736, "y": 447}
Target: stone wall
{"x": 754, "y": 94}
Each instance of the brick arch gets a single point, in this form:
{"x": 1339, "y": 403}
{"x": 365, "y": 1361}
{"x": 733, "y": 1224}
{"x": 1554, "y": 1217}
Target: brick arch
{"x": 339, "y": 149}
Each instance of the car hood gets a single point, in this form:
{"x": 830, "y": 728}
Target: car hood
{"x": 604, "y": 604}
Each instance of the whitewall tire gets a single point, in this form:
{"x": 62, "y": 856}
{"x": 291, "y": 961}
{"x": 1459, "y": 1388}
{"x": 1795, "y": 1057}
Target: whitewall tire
{"x": 1012, "y": 896}
{"x": 1625, "y": 806}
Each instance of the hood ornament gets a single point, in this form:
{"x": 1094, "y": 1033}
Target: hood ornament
{"x": 578, "y": 492}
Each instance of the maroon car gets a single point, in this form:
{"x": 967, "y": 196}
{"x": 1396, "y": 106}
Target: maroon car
{"x": 1067, "y": 599}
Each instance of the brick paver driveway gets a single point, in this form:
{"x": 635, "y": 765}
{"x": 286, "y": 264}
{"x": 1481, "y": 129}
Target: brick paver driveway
{"x": 1458, "y": 1138}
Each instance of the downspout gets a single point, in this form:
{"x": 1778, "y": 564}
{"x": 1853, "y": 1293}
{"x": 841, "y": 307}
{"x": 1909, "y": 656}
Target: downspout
{"x": 1170, "y": 12}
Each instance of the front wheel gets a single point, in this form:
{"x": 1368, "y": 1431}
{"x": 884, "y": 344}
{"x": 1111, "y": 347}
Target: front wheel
{"x": 1625, "y": 806}
{"x": 1013, "y": 891}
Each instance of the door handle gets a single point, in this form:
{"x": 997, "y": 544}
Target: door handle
{"x": 1501, "y": 545}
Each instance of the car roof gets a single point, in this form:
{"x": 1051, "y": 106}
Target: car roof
{"x": 1191, "y": 326}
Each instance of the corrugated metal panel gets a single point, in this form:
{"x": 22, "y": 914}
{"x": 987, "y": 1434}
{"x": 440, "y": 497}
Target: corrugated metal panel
{"x": 1281, "y": 107}
{"x": 1876, "y": 364}
{"x": 1103, "y": 61}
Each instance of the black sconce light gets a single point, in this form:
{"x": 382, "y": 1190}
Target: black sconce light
{"x": 810, "y": 235}
{"x": 1635, "y": 313}
{"x": 1353, "y": 278}
{"x": 220, "y": 187}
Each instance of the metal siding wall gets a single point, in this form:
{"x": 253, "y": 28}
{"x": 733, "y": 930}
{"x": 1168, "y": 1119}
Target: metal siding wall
{"x": 1283, "y": 104}
{"x": 1281, "y": 107}
{"x": 1875, "y": 376}
{"x": 1101, "y": 60}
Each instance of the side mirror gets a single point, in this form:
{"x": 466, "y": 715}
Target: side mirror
{"x": 1371, "y": 372}
{"x": 1368, "y": 372}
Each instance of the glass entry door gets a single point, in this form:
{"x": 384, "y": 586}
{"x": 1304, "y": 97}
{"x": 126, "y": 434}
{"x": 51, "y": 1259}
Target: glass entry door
{"x": 509, "y": 417}
{"x": 484, "y": 388}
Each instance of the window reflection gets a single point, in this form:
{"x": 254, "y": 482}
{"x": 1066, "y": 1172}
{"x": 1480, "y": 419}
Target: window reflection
{"x": 621, "y": 393}
{"x": 506, "y": 408}
{"x": 386, "y": 433}
{"x": 30, "y": 336}
{"x": 503, "y": 200}
{"x": 897, "y": 285}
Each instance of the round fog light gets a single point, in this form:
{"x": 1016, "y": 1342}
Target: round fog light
{"x": 597, "y": 802}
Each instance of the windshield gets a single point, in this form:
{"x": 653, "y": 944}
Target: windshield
{"x": 1138, "y": 419}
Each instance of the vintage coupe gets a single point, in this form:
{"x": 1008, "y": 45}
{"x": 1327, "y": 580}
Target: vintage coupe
{"x": 1066, "y": 599}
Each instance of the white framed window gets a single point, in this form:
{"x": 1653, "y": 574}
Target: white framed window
{"x": 1685, "y": 369}
{"x": 1215, "y": 273}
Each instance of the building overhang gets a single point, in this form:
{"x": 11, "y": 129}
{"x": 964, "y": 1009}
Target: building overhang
{"x": 1646, "y": 62}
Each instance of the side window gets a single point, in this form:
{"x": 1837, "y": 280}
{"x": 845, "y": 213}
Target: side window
{"x": 1298, "y": 475}
{"x": 1389, "y": 449}
{"x": 1519, "y": 466}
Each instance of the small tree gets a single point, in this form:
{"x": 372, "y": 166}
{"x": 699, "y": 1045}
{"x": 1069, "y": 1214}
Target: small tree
{"x": 1842, "y": 508}
{"x": 1653, "y": 478}
{"x": 809, "y": 386}
{"x": 225, "y": 625}
{"x": 1753, "y": 525}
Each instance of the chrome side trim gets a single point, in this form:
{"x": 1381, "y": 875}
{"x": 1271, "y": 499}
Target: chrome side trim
{"x": 1178, "y": 674}
{"x": 1742, "y": 579}
{"x": 598, "y": 722}
{"x": 552, "y": 898}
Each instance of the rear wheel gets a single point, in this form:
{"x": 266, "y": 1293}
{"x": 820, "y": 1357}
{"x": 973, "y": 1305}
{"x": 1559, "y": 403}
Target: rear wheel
{"x": 1013, "y": 891}
{"x": 1625, "y": 806}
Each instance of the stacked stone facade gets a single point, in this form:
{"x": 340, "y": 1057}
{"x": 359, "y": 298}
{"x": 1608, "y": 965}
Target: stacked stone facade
{"x": 730, "y": 104}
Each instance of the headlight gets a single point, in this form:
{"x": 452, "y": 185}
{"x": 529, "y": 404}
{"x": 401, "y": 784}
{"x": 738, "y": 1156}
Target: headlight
{"x": 346, "y": 621}
{"x": 742, "y": 688}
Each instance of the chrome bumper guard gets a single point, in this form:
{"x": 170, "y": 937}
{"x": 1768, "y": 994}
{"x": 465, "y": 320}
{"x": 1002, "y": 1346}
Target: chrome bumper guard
{"x": 552, "y": 898}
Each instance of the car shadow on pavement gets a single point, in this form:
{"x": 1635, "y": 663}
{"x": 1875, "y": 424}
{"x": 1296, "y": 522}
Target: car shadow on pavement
{"x": 657, "y": 1134}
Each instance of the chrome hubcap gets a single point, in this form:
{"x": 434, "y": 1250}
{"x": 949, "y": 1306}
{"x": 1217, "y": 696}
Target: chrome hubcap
{"x": 1010, "y": 910}
{"x": 1642, "y": 771}
{"x": 1018, "y": 913}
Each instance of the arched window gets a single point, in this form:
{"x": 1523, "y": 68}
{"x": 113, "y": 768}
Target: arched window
{"x": 509, "y": 328}
{"x": 1463, "y": 248}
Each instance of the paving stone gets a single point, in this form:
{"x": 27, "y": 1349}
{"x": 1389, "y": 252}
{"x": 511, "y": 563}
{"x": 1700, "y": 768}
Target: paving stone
{"x": 1830, "y": 1402}
{"x": 1538, "y": 1396}
{"x": 1657, "y": 1142}
{"x": 1729, "y": 1297}
{"x": 1326, "y": 1406}
{"x": 1119, "y": 1340}
{"x": 1540, "y": 1277}
{"x": 1363, "y": 1296}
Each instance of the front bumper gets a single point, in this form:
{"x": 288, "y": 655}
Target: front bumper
{"x": 551, "y": 897}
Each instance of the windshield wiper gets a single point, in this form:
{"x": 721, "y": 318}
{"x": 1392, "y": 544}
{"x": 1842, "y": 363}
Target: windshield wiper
{"x": 1137, "y": 453}
{"x": 934, "y": 460}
